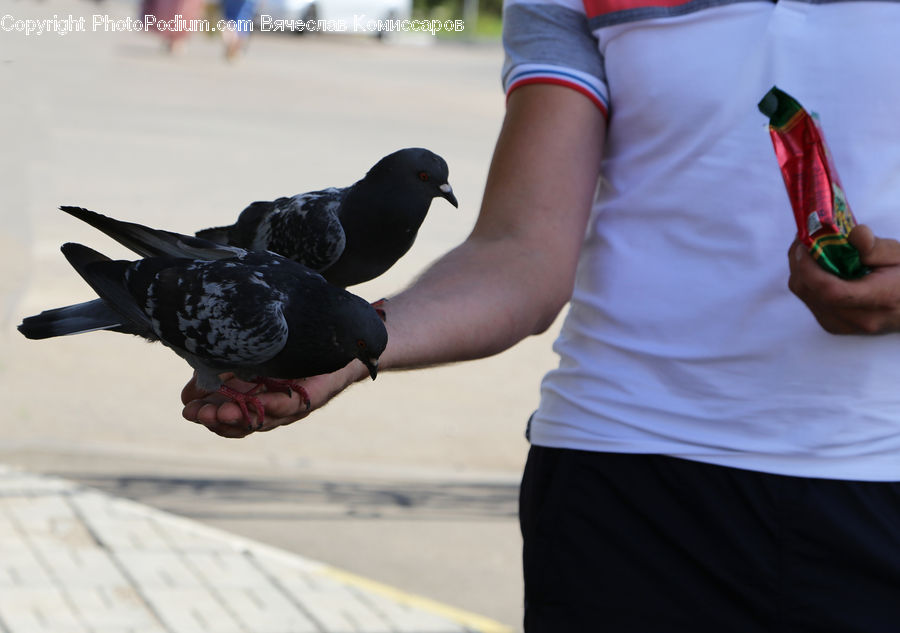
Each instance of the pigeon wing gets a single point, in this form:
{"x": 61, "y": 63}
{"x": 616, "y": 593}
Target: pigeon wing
{"x": 304, "y": 228}
{"x": 222, "y": 313}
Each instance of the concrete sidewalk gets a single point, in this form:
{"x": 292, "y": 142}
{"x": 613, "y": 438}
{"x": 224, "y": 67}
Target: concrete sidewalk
{"x": 73, "y": 560}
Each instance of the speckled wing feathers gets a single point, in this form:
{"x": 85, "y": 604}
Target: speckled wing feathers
{"x": 222, "y": 313}
{"x": 304, "y": 228}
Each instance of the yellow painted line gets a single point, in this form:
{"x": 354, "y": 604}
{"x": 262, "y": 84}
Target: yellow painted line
{"x": 461, "y": 617}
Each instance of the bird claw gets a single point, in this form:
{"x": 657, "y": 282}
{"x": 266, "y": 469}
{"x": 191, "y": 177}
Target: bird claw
{"x": 241, "y": 399}
{"x": 288, "y": 387}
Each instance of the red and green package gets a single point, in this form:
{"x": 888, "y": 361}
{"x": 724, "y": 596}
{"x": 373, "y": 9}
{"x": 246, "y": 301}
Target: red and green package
{"x": 824, "y": 218}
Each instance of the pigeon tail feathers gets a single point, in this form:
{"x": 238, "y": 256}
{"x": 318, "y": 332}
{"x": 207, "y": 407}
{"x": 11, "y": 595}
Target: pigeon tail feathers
{"x": 149, "y": 242}
{"x": 107, "y": 278}
{"x": 74, "y": 319}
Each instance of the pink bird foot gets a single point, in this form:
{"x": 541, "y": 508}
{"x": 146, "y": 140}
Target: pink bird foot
{"x": 282, "y": 385}
{"x": 241, "y": 399}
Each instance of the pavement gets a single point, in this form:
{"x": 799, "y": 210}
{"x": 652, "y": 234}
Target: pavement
{"x": 409, "y": 481}
{"x": 76, "y": 560}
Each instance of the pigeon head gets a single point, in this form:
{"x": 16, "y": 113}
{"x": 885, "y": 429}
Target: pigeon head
{"x": 416, "y": 169}
{"x": 361, "y": 332}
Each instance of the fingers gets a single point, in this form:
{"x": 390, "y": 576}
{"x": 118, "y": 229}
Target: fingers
{"x": 863, "y": 239}
{"x": 868, "y": 305}
{"x": 223, "y": 417}
{"x": 874, "y": 251}
{"x": 192, "y": 392}
{"x": 823, "y": 293}
{"x": 808, "y": 280}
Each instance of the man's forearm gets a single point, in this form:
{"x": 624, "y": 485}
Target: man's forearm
{"x": 469, "y": 304}
{"x": 515, "y": 272}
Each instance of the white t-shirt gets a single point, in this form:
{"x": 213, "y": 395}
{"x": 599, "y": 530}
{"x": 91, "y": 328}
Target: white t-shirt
{"x": 682, "y": 337}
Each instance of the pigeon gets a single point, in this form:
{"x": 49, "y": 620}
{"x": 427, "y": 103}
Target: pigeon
{"x": 263, "y": 317}
{"x": 351, "y": 234}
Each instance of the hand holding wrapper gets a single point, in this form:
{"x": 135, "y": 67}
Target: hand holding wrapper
{"x": 824, "y": 219}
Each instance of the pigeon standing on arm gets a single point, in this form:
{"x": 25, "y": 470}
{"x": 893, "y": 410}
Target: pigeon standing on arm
{"x": 262, "y": 317}
{"x": 351, "y": 234}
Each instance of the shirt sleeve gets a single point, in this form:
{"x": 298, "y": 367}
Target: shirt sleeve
{"x": 550, "y": 42}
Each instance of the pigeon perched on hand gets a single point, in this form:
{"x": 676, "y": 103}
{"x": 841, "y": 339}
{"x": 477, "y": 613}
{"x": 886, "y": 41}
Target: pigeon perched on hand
{"x": 351, "y": 234}
{"x": 263, "y": 317}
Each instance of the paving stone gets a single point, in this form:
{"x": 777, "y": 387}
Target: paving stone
{"x": 73, "y": 560}
{"x": 38, "y": 610}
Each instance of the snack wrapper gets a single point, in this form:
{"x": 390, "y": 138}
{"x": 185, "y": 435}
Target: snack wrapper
{"x": 824, "y": 218}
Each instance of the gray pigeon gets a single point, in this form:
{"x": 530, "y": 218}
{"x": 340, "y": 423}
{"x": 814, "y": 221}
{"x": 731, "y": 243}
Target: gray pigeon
{"x": 263, "y": 317}
{"x": 350, "y": 234}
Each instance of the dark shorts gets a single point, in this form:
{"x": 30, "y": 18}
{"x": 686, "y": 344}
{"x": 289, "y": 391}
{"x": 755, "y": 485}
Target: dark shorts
{"x": 648, "y": 543}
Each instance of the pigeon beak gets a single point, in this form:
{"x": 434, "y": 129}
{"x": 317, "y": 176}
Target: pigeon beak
{"x": 372, "y": 365}
{"x": 447, "y": 193}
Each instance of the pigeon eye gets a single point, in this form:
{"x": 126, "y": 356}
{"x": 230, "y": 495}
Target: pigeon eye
{"x": 423, "y": 176}
{"x": 361, "y": 344}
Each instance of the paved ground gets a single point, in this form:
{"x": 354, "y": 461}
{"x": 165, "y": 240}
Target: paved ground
{"x": 74, "y": 560}
{"x": 409, "y": 480}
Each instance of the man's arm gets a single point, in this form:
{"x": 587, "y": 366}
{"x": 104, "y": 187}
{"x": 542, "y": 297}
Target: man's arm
{"x": 870, "y": 305}
{"x": 508, "y": 280}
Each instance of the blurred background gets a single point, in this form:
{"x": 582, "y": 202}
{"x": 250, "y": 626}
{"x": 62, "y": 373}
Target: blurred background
{"x": 410, "y": 480}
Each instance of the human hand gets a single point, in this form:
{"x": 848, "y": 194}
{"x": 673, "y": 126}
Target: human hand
{"x": 223, "y": 417}
{"x": 868, "y": 305}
